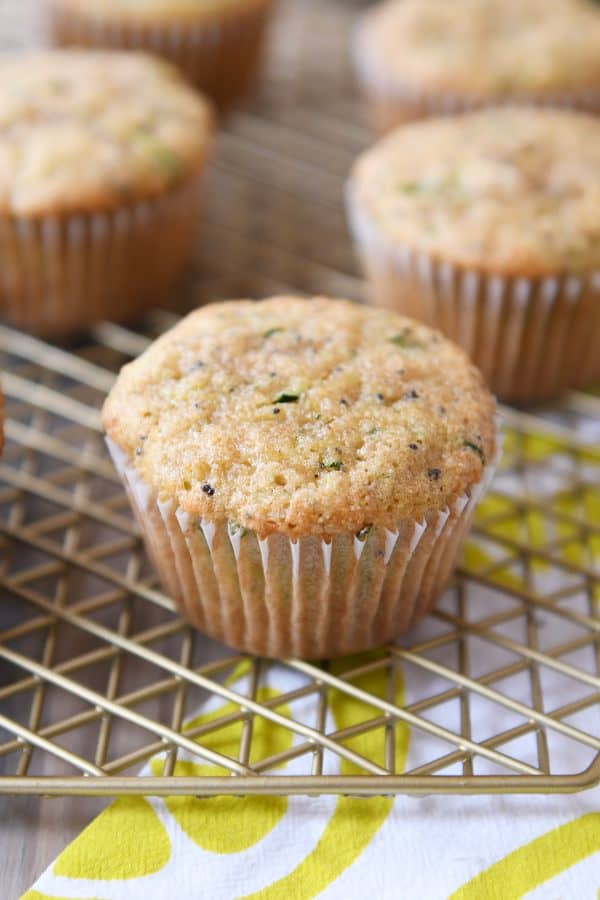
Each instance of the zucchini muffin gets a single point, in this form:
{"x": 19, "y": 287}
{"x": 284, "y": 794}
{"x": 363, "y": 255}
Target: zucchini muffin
{"x": 488, "y": 226}
{"x": 216, "y": 43}
{"x": 303, "y": 470}
{"x": 100, "y": 163}
{"x": 416, "y": 58}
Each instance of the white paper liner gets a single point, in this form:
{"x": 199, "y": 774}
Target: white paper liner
{"x": 532, "y": 338}
{"x": 393, "y": 102}
{"x": 221, "y": 55}
{"x": 60, "y": 274}
{"x": 310, "y": 597}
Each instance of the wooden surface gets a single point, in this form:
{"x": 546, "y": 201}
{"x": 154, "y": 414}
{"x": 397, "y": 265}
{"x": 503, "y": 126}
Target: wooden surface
{"x": 33, "y": 831}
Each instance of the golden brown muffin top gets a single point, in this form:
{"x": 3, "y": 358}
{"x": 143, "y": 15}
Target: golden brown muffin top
{"x": 303, "y": 417}
{"x": 483, "y": 48}
{"x": 151, "y": 11}
{"x": 512, "y": 191}
{"x": 86, "y": 132}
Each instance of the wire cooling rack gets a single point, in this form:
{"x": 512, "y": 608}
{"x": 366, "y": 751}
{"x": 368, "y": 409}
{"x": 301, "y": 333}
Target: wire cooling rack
{"x": 98, "y": 675}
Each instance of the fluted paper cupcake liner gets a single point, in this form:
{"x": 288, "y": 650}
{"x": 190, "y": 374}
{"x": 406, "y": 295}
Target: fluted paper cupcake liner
{"x": 59, "y": 274}
{"x": 309, "y": 597}
{"x": 220, "y": 55}
{"x": 532, "y": 338}
{"x": 391, "y": 102}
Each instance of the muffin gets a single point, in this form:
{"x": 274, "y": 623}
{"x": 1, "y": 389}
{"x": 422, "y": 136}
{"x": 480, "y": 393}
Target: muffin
{"x": 216, "y": 43}
{"x": 416, "y": 58}
{"x": 303, "y": 471}
{"x": 100, "y": 163}
{"x": 488, "y": 226}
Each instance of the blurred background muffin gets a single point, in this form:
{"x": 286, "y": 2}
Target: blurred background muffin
{"x": 100, "y": 163}
{"x": 303, "y": 470}
{"x": 488, "y": 226}
{"x": 416, "y": 58}
{"x": 216, "y": 43}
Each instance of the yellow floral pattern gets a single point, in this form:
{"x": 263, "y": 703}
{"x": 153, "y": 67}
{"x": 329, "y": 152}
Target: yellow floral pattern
{"x": 125, "y": 841}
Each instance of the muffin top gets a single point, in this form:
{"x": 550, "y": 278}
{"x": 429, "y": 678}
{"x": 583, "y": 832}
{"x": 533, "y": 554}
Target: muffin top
{"x": 83, "y": 132}
{"x": 488, "y": 48}
{"x": 512, "y": 191}
{"x": 303, "y": 417}
{"x": 153, "y": 10}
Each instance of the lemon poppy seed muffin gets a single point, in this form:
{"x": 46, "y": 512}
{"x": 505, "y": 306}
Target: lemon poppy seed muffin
{"x": 303, "y": 470}
{"x": 488, "y": 226}
{"x": 416, "y": 58}
{"x": 217, "y": 44}
{"x": 100, "y": 160}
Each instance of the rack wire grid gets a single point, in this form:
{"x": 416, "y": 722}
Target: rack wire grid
{"x": 98, "y": 674}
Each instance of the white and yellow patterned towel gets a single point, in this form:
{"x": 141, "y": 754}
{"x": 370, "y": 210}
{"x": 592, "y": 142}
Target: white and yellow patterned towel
{"x": 464, "y": 848}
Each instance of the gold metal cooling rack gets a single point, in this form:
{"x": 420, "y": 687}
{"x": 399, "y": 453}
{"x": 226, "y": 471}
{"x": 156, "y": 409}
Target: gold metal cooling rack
{"x": 497, "y": 691}
{"x": 99, "y": 674}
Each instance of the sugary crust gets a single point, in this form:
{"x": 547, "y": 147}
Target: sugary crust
{"x": 303, "y": 417}
{"x": 482, "y": 48}
{"x": 507, "y": 190}
{"x": 155, "y": 11}
{"x": 89, "y": 132}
